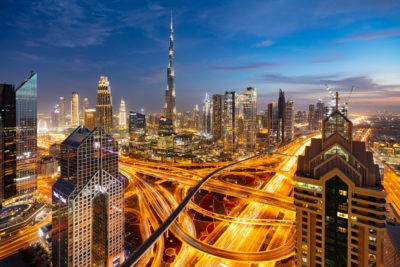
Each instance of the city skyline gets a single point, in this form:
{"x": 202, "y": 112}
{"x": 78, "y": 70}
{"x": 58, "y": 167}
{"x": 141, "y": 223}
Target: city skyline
{"x": 339, "y": 45}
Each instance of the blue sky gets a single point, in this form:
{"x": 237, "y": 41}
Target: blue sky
{"x": 298, "y": 46}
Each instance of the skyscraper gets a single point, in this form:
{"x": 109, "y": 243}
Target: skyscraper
{"x": 122, "y": 115}
{"x": 26, "y": 107}
{"x": 217, "y": 119}
{"x": 137, "y": 124}
{"x": 90, "y": 118}
{"x": 339, "y": 200}
{"x": 230, "y": 119}
{"x": 8, "y": 155}
{"x": 56, "y": 118}
{"x": 103, "y": 105}
{"x": 196, "y": 117}
{"x": 281, "y": 117}
{"x": 320, "y": 113}
{"x": 61, "y": 104}
{"x": 272, "y": 122}
{"x": 289, "y": 121}
{"x": 74, "y": 109}
{"x": 250, "y": 116}
{"x": 85, "y": 105}
{"x": 207, "y": 116}
{"x": 312, "y": 118}
{"x": 88, "y": 202}
{"x": 170, "y": 109}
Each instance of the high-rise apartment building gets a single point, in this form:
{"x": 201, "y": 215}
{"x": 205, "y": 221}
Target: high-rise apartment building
{"x": 122, "y": 115}
{"x": 289, "y": 121}
{"x": 74, "y": 109}
{"x": 90, "y": 118}
{"x": 339, "y": 199}
{"x": 207, "y": 116}
{"x": 170, "y": 108}
{"x": 103, "y": 105}
{"x": 280, "y": 136}
{"x": 230, "y": 121}
{"x": 26, "y": 113}
{"x": 62, "y": 117}
{"x": 137, "y": 124}
{"x": 8, "y": 154}
{"x": 249, "y": 100}
{"x": 88, "y": 202}
{"x": 217, "y": 117}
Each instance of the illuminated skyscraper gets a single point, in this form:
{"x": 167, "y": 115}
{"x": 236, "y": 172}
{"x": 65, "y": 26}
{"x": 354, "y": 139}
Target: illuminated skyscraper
{"x": 88, "y": 202}
{"x": 280, "y": 136}
{"x": 196, "y": 117}
{"x": 61, "y": 104}
{"x": 340, "y": 202}
{"x": 289, "y": 121}
{"x": 85, "y": 105}
{"x": 230, "y": 121}
{"x": 122, "y": 115}
{"x": 56, "y": 118}
{"x": 90, "y": 118}
{"x": 320, "y": 113}
{"x": 137, "y": 124}
{"x": 207, "y": 116}
{"x": 8, "y": 155}
{"x": 217, "y": 117}
{"x": 170, "y": 109}
{"x": 26, "y": 106}
{"x": 74, "y": 109}
{"x": 250, "y": 117}
{"x": 103, "y": 105}
{"x": 272, "y": 122}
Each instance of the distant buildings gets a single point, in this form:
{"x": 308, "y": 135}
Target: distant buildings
{"x": 339, "y": 200}
{"x": 56, "y": 118}
{"x": 62, "y": 117}
{"x": 217, "y": 117}
{"x": 289, "y": 121}
{"x": 85, "y": 105}
{"x": 195, "y": 117}
{"x": 170, "y": 108}
{"x": 74, "y": 109}
{"x": 280, "y": 136}
{"x": 229, "y": 122}
{"x": 8, "y": 146}
{"x": 88, "y": 202}
{"x": 103, "y": 105}
{"x": 272, "y": 122}
{"x": 122, "y": 115}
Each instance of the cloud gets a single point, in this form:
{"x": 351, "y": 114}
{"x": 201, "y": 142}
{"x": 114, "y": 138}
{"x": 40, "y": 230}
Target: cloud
{"x": 369, "y": 36}
{"x": 265, "y": 43}
{"x": 251, "y": 66}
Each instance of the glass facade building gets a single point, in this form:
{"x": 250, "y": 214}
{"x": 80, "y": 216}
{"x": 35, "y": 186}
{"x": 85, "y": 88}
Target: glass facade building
{"x": 26, "y": 123}
{"x": 8, "y": 155}
{"x": 88, "y": 202}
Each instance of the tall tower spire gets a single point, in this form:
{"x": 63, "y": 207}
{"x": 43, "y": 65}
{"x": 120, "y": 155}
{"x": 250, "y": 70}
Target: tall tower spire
{"x": 170, "y": 109}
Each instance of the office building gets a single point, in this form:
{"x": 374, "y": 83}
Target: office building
{"x": 280, "y": 136}
{"x": 217, "y": 117}
{"x": 339, "y": 200}
{"x": 103, "y": 105}
{"x": 207, "y": 116}
{"x": 26, "y": 107}
{"x": 122, "y": 115}
{"x": 170, "y": 108}
{"x": 137, "y": 125}
{"x": 230, "y": 121}
{"x": 74, "y": 109}
{"x": 90, "y": 118}
{"x": 249, "y": 100}
{"x": 8, "y": 155}
{"x": 289, "y": 121}
{"x": 88, "y": 202}
{"x": 62, "y": 115}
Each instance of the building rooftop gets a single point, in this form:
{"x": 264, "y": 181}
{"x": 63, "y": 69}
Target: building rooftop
{"x": 393, "y": 230}
{"x": 77, "y": 137}
{"x": 64, "y": 186}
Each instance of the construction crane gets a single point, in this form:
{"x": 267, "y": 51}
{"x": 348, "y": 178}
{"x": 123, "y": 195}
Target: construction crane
{"x": 346, "y": 103}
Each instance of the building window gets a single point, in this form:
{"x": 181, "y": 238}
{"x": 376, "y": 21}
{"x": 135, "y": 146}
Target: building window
{"x": 372, "y": 231}
{"x": 372, "y": 239}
